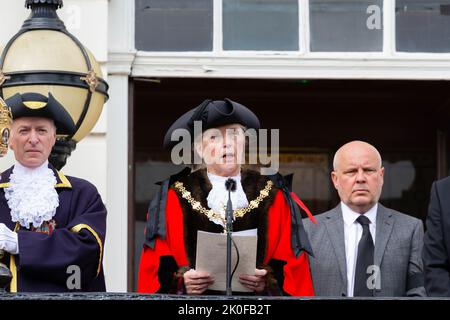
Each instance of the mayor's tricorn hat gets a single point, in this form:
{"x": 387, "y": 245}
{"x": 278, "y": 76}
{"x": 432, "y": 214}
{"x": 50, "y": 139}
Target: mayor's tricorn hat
{"x": 37, "y": 105}
{"x": 213, "y": 114}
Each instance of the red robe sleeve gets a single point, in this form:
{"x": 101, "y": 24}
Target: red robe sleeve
{"x": 297, "y": 275}
{"x": 172, "y": 246}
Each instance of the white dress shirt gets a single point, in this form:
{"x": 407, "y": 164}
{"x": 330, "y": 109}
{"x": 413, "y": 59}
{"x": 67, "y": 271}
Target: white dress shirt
{"x": 352, "y": 234}
{"x": 218, "y": 196}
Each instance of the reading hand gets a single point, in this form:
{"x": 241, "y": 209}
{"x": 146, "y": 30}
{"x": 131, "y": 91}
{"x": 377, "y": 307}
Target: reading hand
{"x": 196, "y": 282}
{"x": 255, "y": 282}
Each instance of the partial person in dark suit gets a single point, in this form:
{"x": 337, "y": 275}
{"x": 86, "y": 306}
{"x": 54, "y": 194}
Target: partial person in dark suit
{"x": 436, "y": 251}
{"x": 362, "y": 248}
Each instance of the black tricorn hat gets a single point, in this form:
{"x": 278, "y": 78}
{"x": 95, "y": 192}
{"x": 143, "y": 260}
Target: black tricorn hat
{"x": 33, "y": 104}
{"x": 212, "y": 114}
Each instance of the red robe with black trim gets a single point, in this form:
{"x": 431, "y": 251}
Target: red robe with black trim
{"x": 295, "y": 271}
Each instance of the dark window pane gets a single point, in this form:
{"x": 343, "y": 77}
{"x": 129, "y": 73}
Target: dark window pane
{"x": 174, "y": 25}
{"x": 350, "y": 25}
{"x": 407, "y": 180}
{"x": 260, "y": 24}
{"x": 423, "y": 26}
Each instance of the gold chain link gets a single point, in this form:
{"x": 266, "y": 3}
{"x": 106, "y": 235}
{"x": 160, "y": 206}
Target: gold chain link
{"x": 238, "y": 213}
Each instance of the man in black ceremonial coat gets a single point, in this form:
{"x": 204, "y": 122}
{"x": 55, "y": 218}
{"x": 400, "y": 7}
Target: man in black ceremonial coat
{"x": 52, "y": 227}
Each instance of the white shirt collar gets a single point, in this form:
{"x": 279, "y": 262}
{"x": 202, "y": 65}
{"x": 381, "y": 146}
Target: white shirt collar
{"x": 218, "y": 196}
{"x": 18, "y": 167}
{"x": 350, "y": 216}
{"x": 215, "y": 179}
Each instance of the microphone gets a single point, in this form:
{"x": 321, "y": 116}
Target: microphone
{"x": 230, "y": 186}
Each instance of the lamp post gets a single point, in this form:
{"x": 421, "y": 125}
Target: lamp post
{"x": 44, "y": 57}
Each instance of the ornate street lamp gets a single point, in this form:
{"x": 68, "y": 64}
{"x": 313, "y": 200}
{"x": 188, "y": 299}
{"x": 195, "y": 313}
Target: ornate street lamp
{"x": 44, "y": 57}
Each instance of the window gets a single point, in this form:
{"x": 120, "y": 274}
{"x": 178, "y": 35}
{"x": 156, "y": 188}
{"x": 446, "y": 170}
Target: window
{"x": 174, "y": 25}
{"x": 260, "y": 25}
{"x": 350, "y": 25}
{"x": 276, "y": 25}
{"x": 423, "y": 25}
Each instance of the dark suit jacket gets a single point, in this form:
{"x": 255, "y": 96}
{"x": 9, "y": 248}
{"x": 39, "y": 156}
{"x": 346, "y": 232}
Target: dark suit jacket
{"x": 398, "y": 246}
{"x": 436, "y": 251}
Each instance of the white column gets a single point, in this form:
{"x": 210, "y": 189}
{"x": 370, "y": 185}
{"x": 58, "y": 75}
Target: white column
{"x": 115, "y": 259}
{"x": 120, "y": 58}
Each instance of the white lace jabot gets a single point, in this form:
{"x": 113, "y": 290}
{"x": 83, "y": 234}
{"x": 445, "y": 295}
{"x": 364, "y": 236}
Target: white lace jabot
{"x": 218, "y": 196}
{"x": 31, "y": 195}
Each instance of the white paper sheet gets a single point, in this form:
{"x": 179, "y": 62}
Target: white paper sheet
{"x": 212, "y": 257}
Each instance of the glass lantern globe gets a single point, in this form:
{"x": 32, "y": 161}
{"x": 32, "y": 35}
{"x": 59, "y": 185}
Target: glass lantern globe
{"x": 43, "y": 57}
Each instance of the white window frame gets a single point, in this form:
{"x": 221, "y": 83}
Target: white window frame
{"x": 218, "y": 63}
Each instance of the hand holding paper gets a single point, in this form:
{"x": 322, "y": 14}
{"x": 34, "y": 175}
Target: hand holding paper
{"x": 211, "y": 258}
{"x": 196, "y": 282}
{"x": 255, "y": 282}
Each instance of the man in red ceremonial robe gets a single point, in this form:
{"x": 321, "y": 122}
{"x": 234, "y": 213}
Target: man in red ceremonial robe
{"x": 189, "y": 202}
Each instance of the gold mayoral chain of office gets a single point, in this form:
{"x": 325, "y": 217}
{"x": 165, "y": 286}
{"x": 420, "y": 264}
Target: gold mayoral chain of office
{"x": 238, "y": 213}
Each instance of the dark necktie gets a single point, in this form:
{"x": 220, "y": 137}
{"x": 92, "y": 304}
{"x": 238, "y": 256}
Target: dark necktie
{"x": 364, "y": 260}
